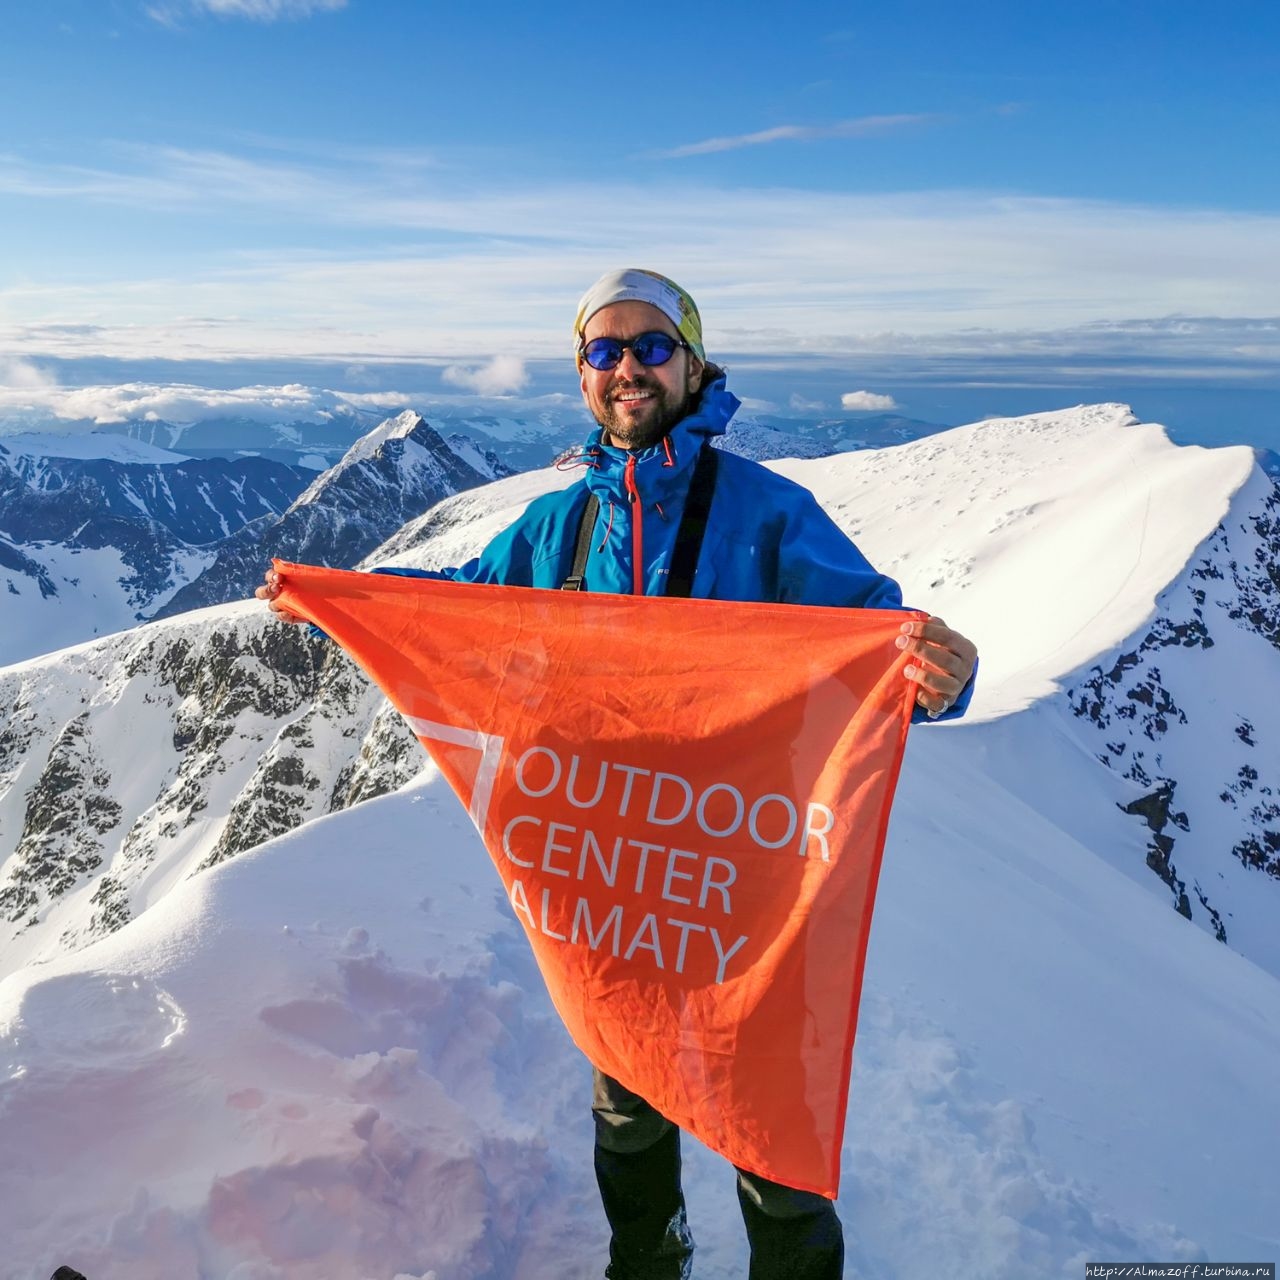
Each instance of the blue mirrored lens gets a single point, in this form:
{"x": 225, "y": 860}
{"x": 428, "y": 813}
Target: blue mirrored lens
{"x": 654, "y": 348}
{"x": 649, "y": 348}
{"x": 602, "y": 353}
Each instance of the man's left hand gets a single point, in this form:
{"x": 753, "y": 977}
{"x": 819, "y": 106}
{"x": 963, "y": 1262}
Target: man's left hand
{"x": 943, "y": 662}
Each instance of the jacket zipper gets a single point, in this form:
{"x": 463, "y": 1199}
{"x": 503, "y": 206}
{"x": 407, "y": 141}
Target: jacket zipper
{"x": 637, "y": 531}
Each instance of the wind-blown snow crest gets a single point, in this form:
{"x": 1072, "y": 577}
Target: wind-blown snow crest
{"x": 330, "y": 1055}
{"x": 1045, "y": 538}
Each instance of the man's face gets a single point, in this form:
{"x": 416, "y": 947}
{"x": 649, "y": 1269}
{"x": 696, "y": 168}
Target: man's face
{"x": 638, "y": 404}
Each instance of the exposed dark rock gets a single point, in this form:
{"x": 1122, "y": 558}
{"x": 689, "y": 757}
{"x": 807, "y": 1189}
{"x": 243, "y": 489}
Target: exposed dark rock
{"x": 265, "y": 719}
{"x": 1137, "y": 701}
{"x": 1156, "y": 810}
{"x": 66, "y": 816}
{"x": 1219, "y": 928}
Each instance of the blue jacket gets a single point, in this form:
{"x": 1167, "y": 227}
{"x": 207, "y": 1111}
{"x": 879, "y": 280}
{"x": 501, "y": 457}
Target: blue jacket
{"x": 766, "y": 538}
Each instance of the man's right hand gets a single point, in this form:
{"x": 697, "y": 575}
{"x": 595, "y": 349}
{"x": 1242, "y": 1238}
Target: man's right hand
{"x": 268, "y": 592}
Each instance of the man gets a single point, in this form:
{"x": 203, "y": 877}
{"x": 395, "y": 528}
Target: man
{"x": 651, "y": 491}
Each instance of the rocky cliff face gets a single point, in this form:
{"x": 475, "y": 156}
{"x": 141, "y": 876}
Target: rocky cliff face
{"x": 130, "y": 763}
{"x": 1197, "y": 742}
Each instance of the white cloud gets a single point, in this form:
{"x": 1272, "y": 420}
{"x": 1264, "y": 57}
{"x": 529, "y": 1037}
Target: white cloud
{"x": 502, "y": 376}
{"x": 180, "y": 402}
{"x": 24, "y": 377}
{"x": 864, "y": 126}
{"x": 256, "y": 10}
{"x": 803, "y": 405}
{"x": 861, "y": 401}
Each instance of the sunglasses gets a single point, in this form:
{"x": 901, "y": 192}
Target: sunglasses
{"x": 649, "y": 349}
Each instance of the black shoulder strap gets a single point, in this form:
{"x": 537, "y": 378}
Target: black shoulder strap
{"x": 586, "y": 525}
{"x": 693, "y": 525}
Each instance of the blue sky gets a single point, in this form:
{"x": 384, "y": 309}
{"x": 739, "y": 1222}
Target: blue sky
{"x": 924, "y": 194}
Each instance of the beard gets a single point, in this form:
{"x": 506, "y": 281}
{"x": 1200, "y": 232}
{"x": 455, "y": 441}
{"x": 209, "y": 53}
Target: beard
{"x": 629, "y": 429}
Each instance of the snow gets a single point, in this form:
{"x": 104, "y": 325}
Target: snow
{"x": 1043, "y": 566}
{"x": 308, "y": 1072}
{"x": 87, "y": 580}
{"x": 392, "y": 429}
{"x": 331, "y": 1057}
{"x": 365, "y": 449}
{"x": 30, "y": 444}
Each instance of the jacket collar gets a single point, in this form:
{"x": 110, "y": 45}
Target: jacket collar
{"x": 660, "y": 467}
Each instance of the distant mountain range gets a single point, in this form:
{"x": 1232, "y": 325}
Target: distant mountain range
{"x": 90, "y": 545}
{"x": 522, "y": 441}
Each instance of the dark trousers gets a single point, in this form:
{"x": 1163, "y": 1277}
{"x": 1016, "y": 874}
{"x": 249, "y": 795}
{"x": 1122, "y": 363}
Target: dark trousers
{"x": 794, "y": 1235}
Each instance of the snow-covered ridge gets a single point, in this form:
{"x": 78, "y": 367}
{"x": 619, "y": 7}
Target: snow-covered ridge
{"x": 1047, "y": 538}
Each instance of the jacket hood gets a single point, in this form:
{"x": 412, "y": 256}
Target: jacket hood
{"x": 716, "y": 407}
{"x": 711, "y": 416}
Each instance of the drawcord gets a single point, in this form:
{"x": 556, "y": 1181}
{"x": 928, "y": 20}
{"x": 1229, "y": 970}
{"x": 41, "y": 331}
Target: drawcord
{"x": 666, "y": 444}
{"x": 578, "y": 458}
{"x": 608, "y": 529}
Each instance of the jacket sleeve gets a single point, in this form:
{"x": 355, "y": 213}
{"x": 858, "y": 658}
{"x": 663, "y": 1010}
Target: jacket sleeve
{"x": 818, "y": 564}
{"x": 507, "y": 560}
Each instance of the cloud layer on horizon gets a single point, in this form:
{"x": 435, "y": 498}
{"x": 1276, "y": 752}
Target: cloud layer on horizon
{"x": 400, "y": 263}
{"x": 103, "y": 405}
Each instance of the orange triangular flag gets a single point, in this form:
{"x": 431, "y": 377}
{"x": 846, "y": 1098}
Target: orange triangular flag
{"x": 687, "y": 803}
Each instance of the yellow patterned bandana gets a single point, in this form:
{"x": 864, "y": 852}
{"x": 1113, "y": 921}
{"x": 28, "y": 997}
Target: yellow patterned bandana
{"x": 632, "y": 284}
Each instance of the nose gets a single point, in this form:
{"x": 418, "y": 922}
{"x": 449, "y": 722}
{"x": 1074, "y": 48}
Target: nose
{"x": 628, "y": 366}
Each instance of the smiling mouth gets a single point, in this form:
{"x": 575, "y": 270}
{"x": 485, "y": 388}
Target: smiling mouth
{"x": 632, "y": 397}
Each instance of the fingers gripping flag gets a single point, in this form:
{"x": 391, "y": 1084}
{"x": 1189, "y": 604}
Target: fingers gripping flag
{"x": 686, "y": 801}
